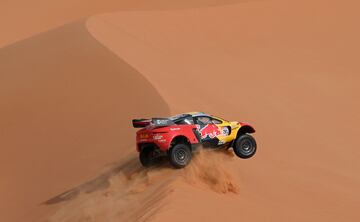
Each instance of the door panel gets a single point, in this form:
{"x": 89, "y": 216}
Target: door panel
{"x": 208, "y": 131}
{"x": 225, "y": 135}
{"x": 214, "y": 131}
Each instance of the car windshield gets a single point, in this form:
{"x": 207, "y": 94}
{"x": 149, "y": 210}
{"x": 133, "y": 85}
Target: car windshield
{"x": 221, "y": 119}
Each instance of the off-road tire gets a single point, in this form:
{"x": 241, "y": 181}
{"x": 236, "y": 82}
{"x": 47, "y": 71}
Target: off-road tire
{"x": 180, "y": 155}
{"x": 245, "y": 146}
{"x": 146, "y": 156}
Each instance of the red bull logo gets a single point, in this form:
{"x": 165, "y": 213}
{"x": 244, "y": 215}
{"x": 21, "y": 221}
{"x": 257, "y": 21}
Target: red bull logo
{"x": 209, "y": 130}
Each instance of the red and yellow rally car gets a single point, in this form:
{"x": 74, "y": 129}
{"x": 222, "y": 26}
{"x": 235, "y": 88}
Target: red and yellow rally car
{"x": 178, "y": 136}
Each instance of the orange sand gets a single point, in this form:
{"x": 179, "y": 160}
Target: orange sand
{"x": 290, "y": 68}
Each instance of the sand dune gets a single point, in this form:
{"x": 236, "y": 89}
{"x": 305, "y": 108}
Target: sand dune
{"x": 23, "y": 19}
{"x": 283, "y": 66}
{"x": 288, "y": 67}
{"x": 66, "y": 102}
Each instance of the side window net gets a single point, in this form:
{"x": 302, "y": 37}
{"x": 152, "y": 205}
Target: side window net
{"x": 203, "y": 120}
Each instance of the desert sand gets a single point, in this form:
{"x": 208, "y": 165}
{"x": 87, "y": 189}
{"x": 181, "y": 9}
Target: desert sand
{"x": 68, "y": 95}
{"x": 23, "y": 19}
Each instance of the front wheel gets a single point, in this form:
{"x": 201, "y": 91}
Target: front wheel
{"x": 180, "y": 155}
{"x": 245, "y": 146}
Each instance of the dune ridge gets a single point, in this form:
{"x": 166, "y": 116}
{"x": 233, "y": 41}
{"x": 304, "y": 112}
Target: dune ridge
{"x": 21, "y": 20}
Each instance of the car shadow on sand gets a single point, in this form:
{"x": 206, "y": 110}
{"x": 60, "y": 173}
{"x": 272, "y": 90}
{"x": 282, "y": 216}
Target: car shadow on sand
{"x": 101, "y": 182}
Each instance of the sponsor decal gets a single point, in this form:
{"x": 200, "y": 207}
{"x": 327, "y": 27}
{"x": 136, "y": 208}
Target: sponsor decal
{"x": 209, "y": 130}
{"x": 160, "y": 138}
{"x": 160, "y": 121}
{"x": 173, "y": 129}
{"x": 157, "y": 137}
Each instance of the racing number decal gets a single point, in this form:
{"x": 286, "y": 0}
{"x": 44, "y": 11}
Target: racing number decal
{"x": 225, "y": 131}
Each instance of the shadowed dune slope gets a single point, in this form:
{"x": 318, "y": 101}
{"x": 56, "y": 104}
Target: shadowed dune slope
{"x": 22, "y": 19}
{"x": 66, "y": 105}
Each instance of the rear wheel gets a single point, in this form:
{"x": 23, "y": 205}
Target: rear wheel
{"x": 180, "y": 155}
{"x": 147, "y": 156}
{"x": 245, "y": 146}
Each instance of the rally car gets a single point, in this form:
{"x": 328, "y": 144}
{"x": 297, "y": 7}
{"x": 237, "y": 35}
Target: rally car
{"x": 177, "y": 137}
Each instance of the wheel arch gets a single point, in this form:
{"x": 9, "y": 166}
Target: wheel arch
{"x": 245, "y": 128}
{"x": 180, "y": 139}
{"x": 142, "y": 146}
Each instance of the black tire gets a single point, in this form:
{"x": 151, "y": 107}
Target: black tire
{"x": 245, "y": 146}
{"x": 147, "y": 156}
{"x": 180, "y": 155}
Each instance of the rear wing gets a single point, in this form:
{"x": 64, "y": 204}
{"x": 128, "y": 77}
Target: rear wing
{"x": 141, "y": 123}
